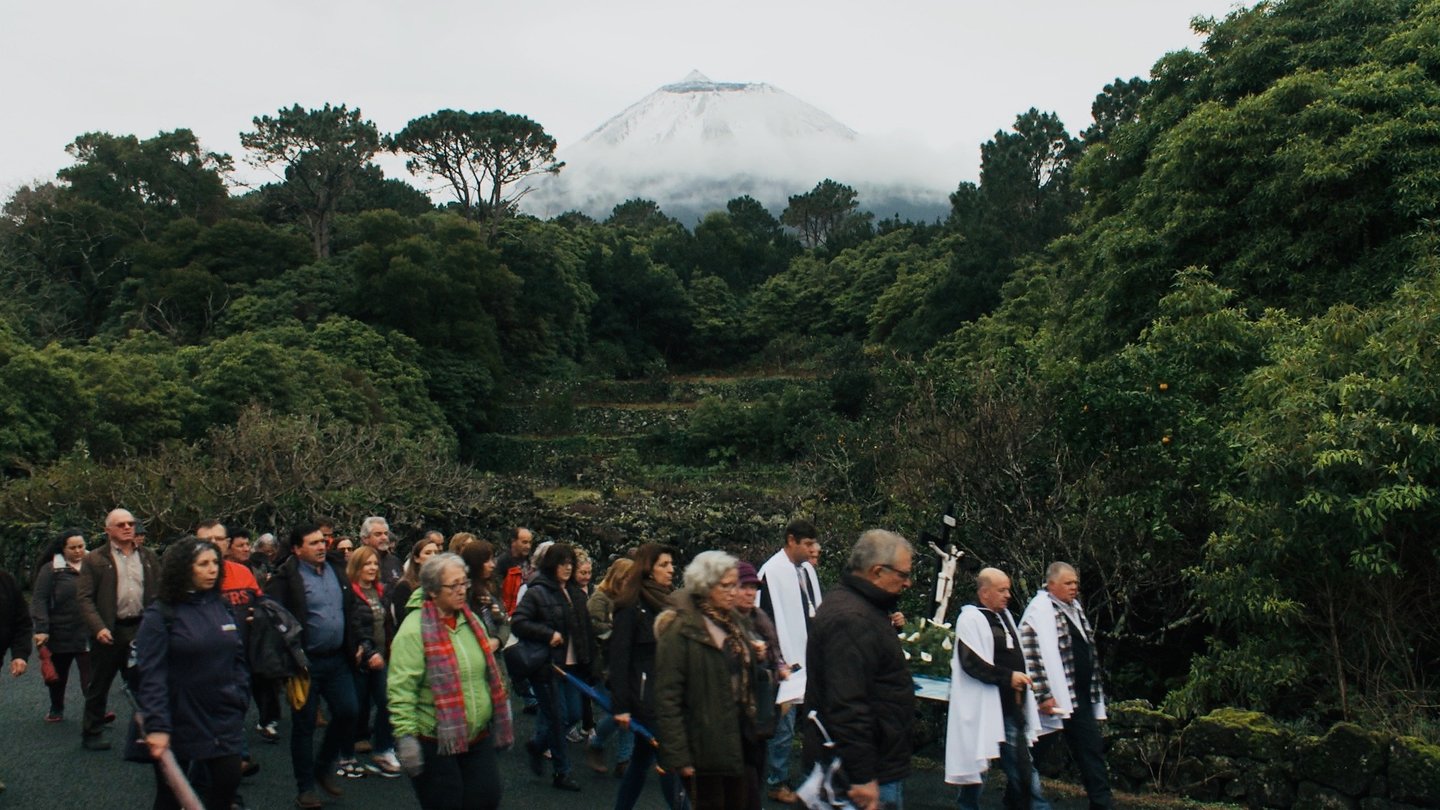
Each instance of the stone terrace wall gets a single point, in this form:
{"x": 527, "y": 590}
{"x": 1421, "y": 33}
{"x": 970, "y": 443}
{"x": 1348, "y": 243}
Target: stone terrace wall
{"x": 1247, "y": 758}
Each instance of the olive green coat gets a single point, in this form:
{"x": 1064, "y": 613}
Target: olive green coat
{"x": 697, "y": 715}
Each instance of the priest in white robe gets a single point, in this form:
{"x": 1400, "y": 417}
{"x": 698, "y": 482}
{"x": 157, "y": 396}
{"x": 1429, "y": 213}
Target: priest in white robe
{"x": 992, "y": 708}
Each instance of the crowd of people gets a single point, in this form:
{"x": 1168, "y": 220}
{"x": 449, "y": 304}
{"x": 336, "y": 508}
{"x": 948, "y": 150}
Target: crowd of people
{"x": 411, "y": 664}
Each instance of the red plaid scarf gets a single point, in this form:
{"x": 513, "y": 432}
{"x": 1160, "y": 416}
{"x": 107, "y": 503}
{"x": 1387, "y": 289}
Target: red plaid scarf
{"x": 442, "y": 671}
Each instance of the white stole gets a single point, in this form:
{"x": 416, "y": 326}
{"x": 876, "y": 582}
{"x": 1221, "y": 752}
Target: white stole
{"x": 975, "y": 727}
{"x": 783, "y": 585}
{"x": 1040, "y": 616}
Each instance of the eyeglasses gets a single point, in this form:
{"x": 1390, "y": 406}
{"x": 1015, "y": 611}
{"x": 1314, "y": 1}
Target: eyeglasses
{"x": 125, "y": 523}
{"x": 463, "y": 585}
{"x": 905, "y": 575}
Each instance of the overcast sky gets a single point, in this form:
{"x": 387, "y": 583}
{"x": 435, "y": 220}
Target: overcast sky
{"x": 945, "y": 72}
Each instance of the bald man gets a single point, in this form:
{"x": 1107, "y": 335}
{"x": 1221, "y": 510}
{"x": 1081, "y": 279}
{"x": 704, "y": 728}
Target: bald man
{"x": 992, "y": 710}
{"x": 1060, "y": 655}
{"x": 116, "y": 582}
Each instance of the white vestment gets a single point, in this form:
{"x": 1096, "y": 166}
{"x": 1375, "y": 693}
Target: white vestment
{"x": 1040, "y": 617}
{"x": 782, "y": 583}
{"x": 975, "y": 727}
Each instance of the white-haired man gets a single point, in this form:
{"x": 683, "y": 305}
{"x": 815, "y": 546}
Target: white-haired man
{"x": 1060, "y": 654}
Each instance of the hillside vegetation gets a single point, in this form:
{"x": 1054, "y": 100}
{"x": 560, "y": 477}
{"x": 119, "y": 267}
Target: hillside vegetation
{"x": 1191, "y": 348}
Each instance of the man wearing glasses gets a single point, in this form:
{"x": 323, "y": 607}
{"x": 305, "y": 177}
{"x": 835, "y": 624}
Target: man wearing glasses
{"x": 860, "y": 685}
{"x": 116, "y": 582}
{"x": 337, "y": 637}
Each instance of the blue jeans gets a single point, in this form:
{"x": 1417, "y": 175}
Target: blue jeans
{"x": 641, "y": 763}
{"x": 892, "y": 795}
{"x": 777, "y": 771}
{"x": 607, "y": 727}
{"x": 330, "y": 679}
{"x": 370, "y": 693}
{"x": 969, "y": 798}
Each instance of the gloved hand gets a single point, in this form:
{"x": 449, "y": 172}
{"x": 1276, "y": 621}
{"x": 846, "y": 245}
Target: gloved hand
{"x": 407, "y": 750}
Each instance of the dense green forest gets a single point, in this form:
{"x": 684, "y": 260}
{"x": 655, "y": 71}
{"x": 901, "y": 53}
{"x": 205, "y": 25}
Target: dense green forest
{"x": 1191, "y": 348}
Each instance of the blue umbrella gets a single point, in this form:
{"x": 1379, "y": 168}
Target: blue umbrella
{"x": 604, "y": 703}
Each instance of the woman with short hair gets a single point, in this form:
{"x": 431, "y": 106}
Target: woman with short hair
{"x": 448, "y": 706}
{"x": 552, "y": 612}
{"x": 194, "y": 685}
{"x": 704, "y": 698}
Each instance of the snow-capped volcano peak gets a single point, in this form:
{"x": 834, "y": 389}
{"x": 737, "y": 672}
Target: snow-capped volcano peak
{"x": 697, "y": 143}
{"x": 698, "y": 110}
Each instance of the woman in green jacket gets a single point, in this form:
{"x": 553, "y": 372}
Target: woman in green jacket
{"x": 448, "y": 707}
{"x": 704, "y": 692}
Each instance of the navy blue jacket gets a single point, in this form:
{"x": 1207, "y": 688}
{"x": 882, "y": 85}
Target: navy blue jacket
{"x": 194, "y": 683}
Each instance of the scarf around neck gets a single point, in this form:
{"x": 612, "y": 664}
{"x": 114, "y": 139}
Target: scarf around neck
{"x": 442, "y": 671}
{"x": 737, "y": 648}
{"x": 654, "y": 594}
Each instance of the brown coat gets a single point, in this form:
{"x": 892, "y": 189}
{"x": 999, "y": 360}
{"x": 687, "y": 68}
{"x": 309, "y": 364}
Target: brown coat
{"x": 96, "y": 588}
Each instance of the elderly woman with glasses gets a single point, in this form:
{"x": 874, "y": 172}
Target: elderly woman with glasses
{"x": 706, "y": 670}
{"x": 553, "y": 612}
{"x": 448, "y": 707}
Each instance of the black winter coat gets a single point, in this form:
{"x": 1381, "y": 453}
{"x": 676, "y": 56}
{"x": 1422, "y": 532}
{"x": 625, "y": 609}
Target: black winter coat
{"x": 545, "y": 611}
{"x": 55, "y": 607}
{"x": 860, "y": 683}
{"x": 632, "y": 662}
{"x": 288, "y": 589}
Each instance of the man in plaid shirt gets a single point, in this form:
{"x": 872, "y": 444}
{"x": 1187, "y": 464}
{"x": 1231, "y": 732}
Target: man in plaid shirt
{"x": 1059, "y": 648}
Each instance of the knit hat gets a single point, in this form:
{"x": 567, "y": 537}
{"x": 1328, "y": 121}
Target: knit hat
{"x": 747, "y": 574}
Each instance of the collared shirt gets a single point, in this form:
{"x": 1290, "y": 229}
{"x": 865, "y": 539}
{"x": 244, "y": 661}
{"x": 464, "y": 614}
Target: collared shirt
{"x": 324, "y": 609}
{"x": 1074, "y": 613}
{"x": 129, "y": 583}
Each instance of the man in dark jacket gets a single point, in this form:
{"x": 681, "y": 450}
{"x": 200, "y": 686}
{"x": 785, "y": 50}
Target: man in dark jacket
{"x": 860, "y": 684}
{"x": 117, "y": 582}
{"x": 314, "y": 588}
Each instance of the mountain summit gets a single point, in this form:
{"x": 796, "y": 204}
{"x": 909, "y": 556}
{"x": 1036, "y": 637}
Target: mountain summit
{"x": 695, "y": 144}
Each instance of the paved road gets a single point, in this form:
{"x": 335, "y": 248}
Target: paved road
{"x": 44, "y": 767}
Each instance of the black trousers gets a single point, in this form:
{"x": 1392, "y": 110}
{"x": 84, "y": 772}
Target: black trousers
{"x": 62, "y": 662}
{"x": 106, "y": 661}
{"x": 220, "y": 776}
{"x": 1087, "y": 747}
{"x": 267, "y": 699}
{"x": 468, "y": 781}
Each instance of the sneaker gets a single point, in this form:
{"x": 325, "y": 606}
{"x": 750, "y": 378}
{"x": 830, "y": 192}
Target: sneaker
{"x": 109, "y": 717}
{"x": 54, "y": 715}
{"x": 782, "y": 794}
{"x": 349, "y": 769}
{"x": 574, "y": 735}
{"x": 270, "y": 732}
{"x": 309, "y": 800}
{"x": 620, "y": 767}
{"x": 94, "y": 742}
{"x": 385, "y": 764}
